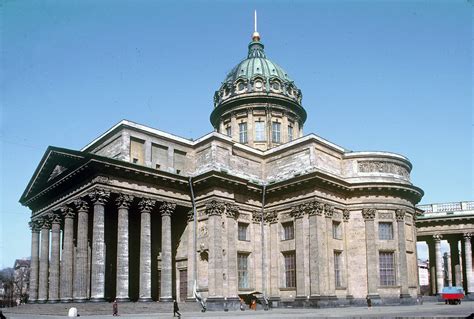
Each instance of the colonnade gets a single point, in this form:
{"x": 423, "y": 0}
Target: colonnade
{"x": 458, "y": 267}
{"x": 79, "y": 274}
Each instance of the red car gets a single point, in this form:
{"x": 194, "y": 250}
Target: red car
{"x": 452, "y": 295}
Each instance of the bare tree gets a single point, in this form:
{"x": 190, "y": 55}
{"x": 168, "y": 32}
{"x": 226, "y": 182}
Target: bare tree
{"x": 7, "y": 279}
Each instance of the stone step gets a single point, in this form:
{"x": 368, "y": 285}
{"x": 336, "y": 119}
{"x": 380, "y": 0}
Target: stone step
{"x": 103, "y": 308}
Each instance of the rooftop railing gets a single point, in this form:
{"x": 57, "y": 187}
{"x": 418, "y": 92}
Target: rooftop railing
{"x": 447, "y": 207}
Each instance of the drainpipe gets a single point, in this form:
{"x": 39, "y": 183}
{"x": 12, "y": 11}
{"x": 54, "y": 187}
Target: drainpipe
{"x": 262, "y": 223}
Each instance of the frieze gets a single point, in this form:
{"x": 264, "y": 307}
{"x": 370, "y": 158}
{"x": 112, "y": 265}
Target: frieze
{"x": 124, "y": 201}
{"x": 215, "y": 208}
{"x": 146, "y": 205}
{"x": 246, "y": 217}
{"x": 385, "y": 215}
{"x": 337, "y": 215}
{"x": 400, "y": 215}
{"x": 369, "y": 213}
{"x": 382, "y": 167}
{"x": 167, "y": 208}
{"x": 232, "y": 211}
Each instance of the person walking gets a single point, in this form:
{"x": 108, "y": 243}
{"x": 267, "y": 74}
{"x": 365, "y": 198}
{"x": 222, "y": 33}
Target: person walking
{"x": 369, "y": 303}
{"x": 115, "y": 308}
{"x": 176, "y": 309}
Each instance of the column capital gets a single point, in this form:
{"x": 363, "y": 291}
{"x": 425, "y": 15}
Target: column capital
{"x": 190, "y": 216}
{"x": 369, "y": 213}
{"x": 124, "y": 201}
{"x": 437, "y": 237}
{"x": 81, "y": 205}
{"x": 314, "y": 208}
{"x": 55, "y": 218}
{"x": 271, "y": 217}
{"x": 67, "y": 212}
{"x": 256, "y": 216}
{"x": 99, "y": 196}
{"x": 328, "y": 210}
{"x": 34, "y": 225}
{"x": 297, "y": 211}
{"x": 346, "y": 215}
{"x": 232, "y": 210}
{"x": 146, "y": 205}
{"x": 400, "y": 215}
{"x": 467, "y": 236}
{"x": 167, "y": 208}
{"x": 215, "y": 208}
{"x": 44, "y": 222}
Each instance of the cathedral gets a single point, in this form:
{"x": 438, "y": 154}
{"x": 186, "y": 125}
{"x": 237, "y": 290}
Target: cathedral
{"x": 254, "y": 207}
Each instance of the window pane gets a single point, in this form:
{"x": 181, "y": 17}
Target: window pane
{"x": 385, "y": 231}
{"x": 288, "y": 231}
{"x": 260, "y": 131}
{"x": 290, "y": 133}
{"x": 387, "y": 269}
{"x": 290, "y": 270}
{"x": 242, "y": 231}
{"x": 276, "y": 132}
{"x": 337, "y": 269}
{"x": 228, "y": 131}
{"x": 243, "y": 270}
{"x": 243, "y": 133}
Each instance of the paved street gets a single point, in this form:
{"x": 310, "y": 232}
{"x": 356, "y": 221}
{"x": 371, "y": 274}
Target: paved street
{"x": 426, "y": 310}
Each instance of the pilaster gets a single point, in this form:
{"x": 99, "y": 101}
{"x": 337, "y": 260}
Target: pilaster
{"x": 232, "y": 213}
{"x": 214, "y": 210}
{"x": 402, "y": 253}
{"x": 372, "y": 276}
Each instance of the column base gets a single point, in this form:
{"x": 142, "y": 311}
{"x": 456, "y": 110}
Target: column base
{"x": 31, "y": 301}
{"x": 215, "y": 303}
{"x": 41, "y": 301}
{"x": 166, "y": 299}
{"x": 145, "y": 299}
{"x": 53, "y": 301}
{"x": 122, "y": 299}
{"x": 66, "y": 300}
{"x": 96, "y": 299}
{"x": 80, "y": 300}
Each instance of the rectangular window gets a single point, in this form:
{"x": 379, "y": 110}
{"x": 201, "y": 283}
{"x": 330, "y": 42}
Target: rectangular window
{"x": 228, "y": 131}
{"x": 385, "y": 231}
{"x": 387, "y": 268}
{"x": 338, "y": 269}
{"x": 290, "y": 133}
{"x": 336, "y": 230}
{"x": 290, "y": 270}
{"x": 260, "y": 131}
{"x": 159, "y": 156}
{"x": 242, "y": 231}
{"x": 137, "y": 151}
{"x": 243, "y": 133}
{"x": 242, "y": 261}
{"x": 288, "y": 231}
{"x": 276, "y": 132}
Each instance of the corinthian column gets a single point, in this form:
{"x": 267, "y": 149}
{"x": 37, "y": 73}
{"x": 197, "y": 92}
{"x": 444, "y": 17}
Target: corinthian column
{"x": 439, "y": 268}
{"x": 468, "y": 261}
{"x": 68, "y": 254}
{"x": 123, "y": 202}
{"x": 402, "y": 253}
{"x": 99, "y": 198}
{"x": 34, "y": 265}
{"x": 44, "y": 261}
{"x": 369, "y": 215}
{"x": 81, "y": 267}
{"x": 232, "y": 213}
{"x": 54, "y": 267}
{"x": 315, "y": 209}
{"x": 215, "y": 209}
{"x": 166, "y": 209}
{"x": 146, "y": 206}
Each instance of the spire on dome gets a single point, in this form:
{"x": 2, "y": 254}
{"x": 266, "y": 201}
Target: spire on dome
{"x": 256, "y": 47}
{"x": 255, "y": 34}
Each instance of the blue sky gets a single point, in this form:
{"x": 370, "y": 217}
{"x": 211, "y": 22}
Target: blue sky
{"x": 375, "y": 75}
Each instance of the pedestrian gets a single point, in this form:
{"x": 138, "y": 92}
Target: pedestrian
{"x": 242, "y": 308}
{"x": 176, "y": 309}
{"x": 115, "y": 308}
{"x": 2, "y": 316}
{"x": 369, "y": 303}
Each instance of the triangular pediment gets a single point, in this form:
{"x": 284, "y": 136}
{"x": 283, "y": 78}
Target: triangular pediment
{"x": 55, "y": 165}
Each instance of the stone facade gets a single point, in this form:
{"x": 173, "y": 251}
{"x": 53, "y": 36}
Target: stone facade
{"x": 304, "y": 221}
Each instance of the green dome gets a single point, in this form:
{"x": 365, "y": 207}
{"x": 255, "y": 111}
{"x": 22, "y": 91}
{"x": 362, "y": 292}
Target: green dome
{"x": 257, "y": 75}
{"x": 255, "y": 64}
